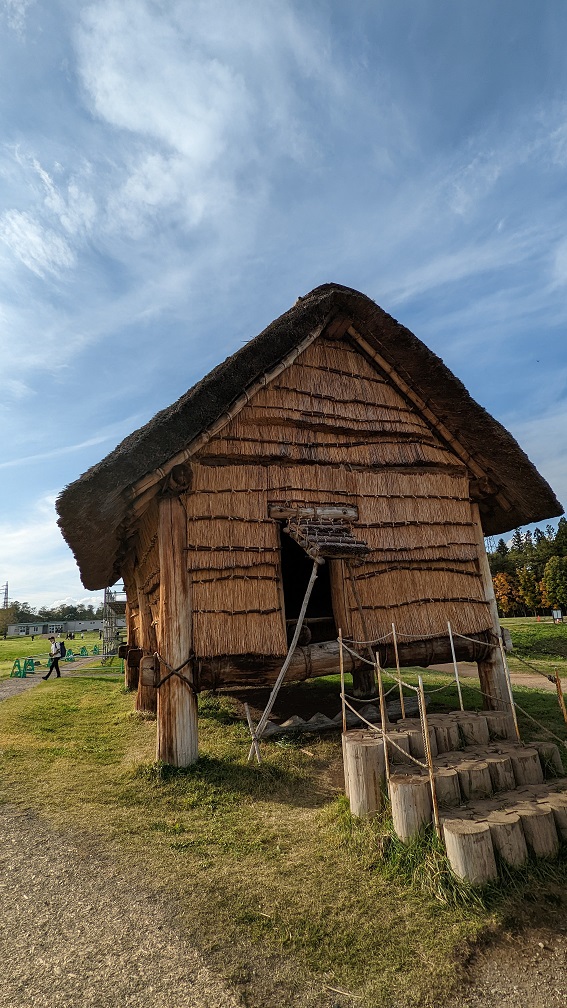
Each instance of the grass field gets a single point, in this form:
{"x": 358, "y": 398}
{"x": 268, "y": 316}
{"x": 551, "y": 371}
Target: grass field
{"x": 283, "y": 892}
{"x": 24, "y": 647}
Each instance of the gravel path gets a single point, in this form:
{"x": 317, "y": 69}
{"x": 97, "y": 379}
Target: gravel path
{"x": 11, "y": 687}
{"x": 523, "y": 970}
{"x": 76, "y": 932}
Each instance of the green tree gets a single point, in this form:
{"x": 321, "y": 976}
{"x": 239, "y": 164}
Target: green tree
{"x": 7, "y": 616}
{"x": 528, "y": 588}
{"x": 560, "y": 543}
{"x": 554, "y": 582}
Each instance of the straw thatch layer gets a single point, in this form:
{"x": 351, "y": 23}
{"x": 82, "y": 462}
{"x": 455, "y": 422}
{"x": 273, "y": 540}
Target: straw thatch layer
{"x": 94, "y": 511}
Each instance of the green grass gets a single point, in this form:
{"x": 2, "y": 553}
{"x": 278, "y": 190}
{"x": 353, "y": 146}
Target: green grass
{"x": 542, "y": 640}
{"x": 24, "y": 647}
{"x": 283, "y": 892}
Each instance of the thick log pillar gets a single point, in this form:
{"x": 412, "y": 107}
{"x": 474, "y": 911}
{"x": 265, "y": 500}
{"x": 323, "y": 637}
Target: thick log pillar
{"x": 177, "y": 739}
{"x": 146, "y": 699}
{"x": 491, "y": 671}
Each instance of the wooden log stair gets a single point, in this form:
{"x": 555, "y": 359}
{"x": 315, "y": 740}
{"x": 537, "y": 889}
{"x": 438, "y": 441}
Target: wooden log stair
{"x": 499, "y": 801}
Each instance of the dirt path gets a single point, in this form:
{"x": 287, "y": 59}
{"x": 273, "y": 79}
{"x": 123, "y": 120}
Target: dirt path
{"x": 524, "y": 968}
{"x": 76, "y": 932}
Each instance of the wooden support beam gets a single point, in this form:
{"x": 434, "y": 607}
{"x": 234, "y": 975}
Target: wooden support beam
{"x": 491, "y": 671}
{"x": 177, "y": 739}
{"x": 146, "y": 700}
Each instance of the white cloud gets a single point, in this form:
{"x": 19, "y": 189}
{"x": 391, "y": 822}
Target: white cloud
{"x": 40, "y": 248}
{"x": 36, "y": 562}
{"x": 15, "y": 12}
{"x": 544, "y": 442}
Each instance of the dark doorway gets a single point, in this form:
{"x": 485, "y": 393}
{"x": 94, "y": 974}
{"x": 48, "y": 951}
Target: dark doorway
{"x": 296, "y": 571}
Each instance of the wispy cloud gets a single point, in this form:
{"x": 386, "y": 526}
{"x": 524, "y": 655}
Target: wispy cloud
{"x": 35, "y": 561}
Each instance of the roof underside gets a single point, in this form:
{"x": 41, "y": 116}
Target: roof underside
{"x": 94, "y": 509}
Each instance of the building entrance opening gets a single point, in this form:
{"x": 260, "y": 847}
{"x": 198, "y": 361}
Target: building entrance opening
{"x": 319, "y": 624}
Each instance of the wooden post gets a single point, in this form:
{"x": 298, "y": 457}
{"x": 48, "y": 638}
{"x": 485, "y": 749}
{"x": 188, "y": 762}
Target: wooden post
{"x": 363, "y": 684}
{"x": 455, "y": 666}
{"x": 177, "y": 739}
{"x": 508, "y": 837}
{"x": 526, "y": 766}
{"x": 342, "y": 673}
{"x": 365, "y": 773}
{"x": 400, "y": 688}
{"x": 491, "y": 671}
{"x": 411, "y": 804}
{"x": 384, "y": 720}
{"x": 427, "y": 743}
{"x": 146, "y": 700}
{"x": 560, "y": 696}
{"x": 470, "y": 851}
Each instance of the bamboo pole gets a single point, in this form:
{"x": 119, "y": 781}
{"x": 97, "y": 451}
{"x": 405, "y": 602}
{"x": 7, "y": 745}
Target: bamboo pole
{"x": 455, "y": 666}
{"x": 426, "y": 742}
{"x": 384, "y": 719}
{"x": 400, "y": 688}
{"x": 273, "y": 695}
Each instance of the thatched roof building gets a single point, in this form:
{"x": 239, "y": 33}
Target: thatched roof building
{"x": 339, "y": 427}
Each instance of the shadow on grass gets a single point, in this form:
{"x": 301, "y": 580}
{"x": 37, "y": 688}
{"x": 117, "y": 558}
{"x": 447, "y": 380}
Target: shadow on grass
{"x": 225, "y": 781}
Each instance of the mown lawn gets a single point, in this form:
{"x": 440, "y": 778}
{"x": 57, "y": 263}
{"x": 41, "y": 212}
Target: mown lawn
{"x": 274, "y": 882}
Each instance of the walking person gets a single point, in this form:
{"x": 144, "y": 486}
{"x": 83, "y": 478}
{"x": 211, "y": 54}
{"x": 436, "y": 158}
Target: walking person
{"x": 54, "y": 655}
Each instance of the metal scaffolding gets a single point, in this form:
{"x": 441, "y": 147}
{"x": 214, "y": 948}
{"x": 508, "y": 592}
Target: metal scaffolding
{"x": 113, "y": 608}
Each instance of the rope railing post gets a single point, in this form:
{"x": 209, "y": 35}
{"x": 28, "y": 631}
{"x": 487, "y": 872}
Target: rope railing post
{"x": 426, "y": 742}
{"x": 384, "y": 719}
{"x": 342, "y": 672}
{"x": 560, "y": 696}
{"x": 509, "y": 685}
{"x": 400, "y": 689}
{"x": 455, "y": 666}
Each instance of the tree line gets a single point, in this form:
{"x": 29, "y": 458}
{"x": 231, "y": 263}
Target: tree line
{"x": 530, "y": 572}
{"x": 22, "y": 612}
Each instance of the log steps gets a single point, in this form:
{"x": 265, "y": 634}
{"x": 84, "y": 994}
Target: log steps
{"x": 496, "y": 807}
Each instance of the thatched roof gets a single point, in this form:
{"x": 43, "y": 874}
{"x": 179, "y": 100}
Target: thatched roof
{"x": 95, "y": 508}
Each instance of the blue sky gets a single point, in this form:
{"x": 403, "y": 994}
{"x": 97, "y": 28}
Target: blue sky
{"x": 174, "y": 174}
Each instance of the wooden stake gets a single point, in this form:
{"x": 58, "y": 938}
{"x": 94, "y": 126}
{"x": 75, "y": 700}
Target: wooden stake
{"x": 342, "y": 672}
{"x": 400, "y": 689}
{"x": 425, "y": 729}
{"x": 560, "y": 696}
{"x": 509, "y": 685}
{"x": 384, "y": 720}
{"x": 455, "y": 666}
{"x": 252, "y": 732}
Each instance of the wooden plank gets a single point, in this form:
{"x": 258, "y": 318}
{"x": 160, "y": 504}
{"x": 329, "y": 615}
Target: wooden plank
{"x": 282, "y": 511}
